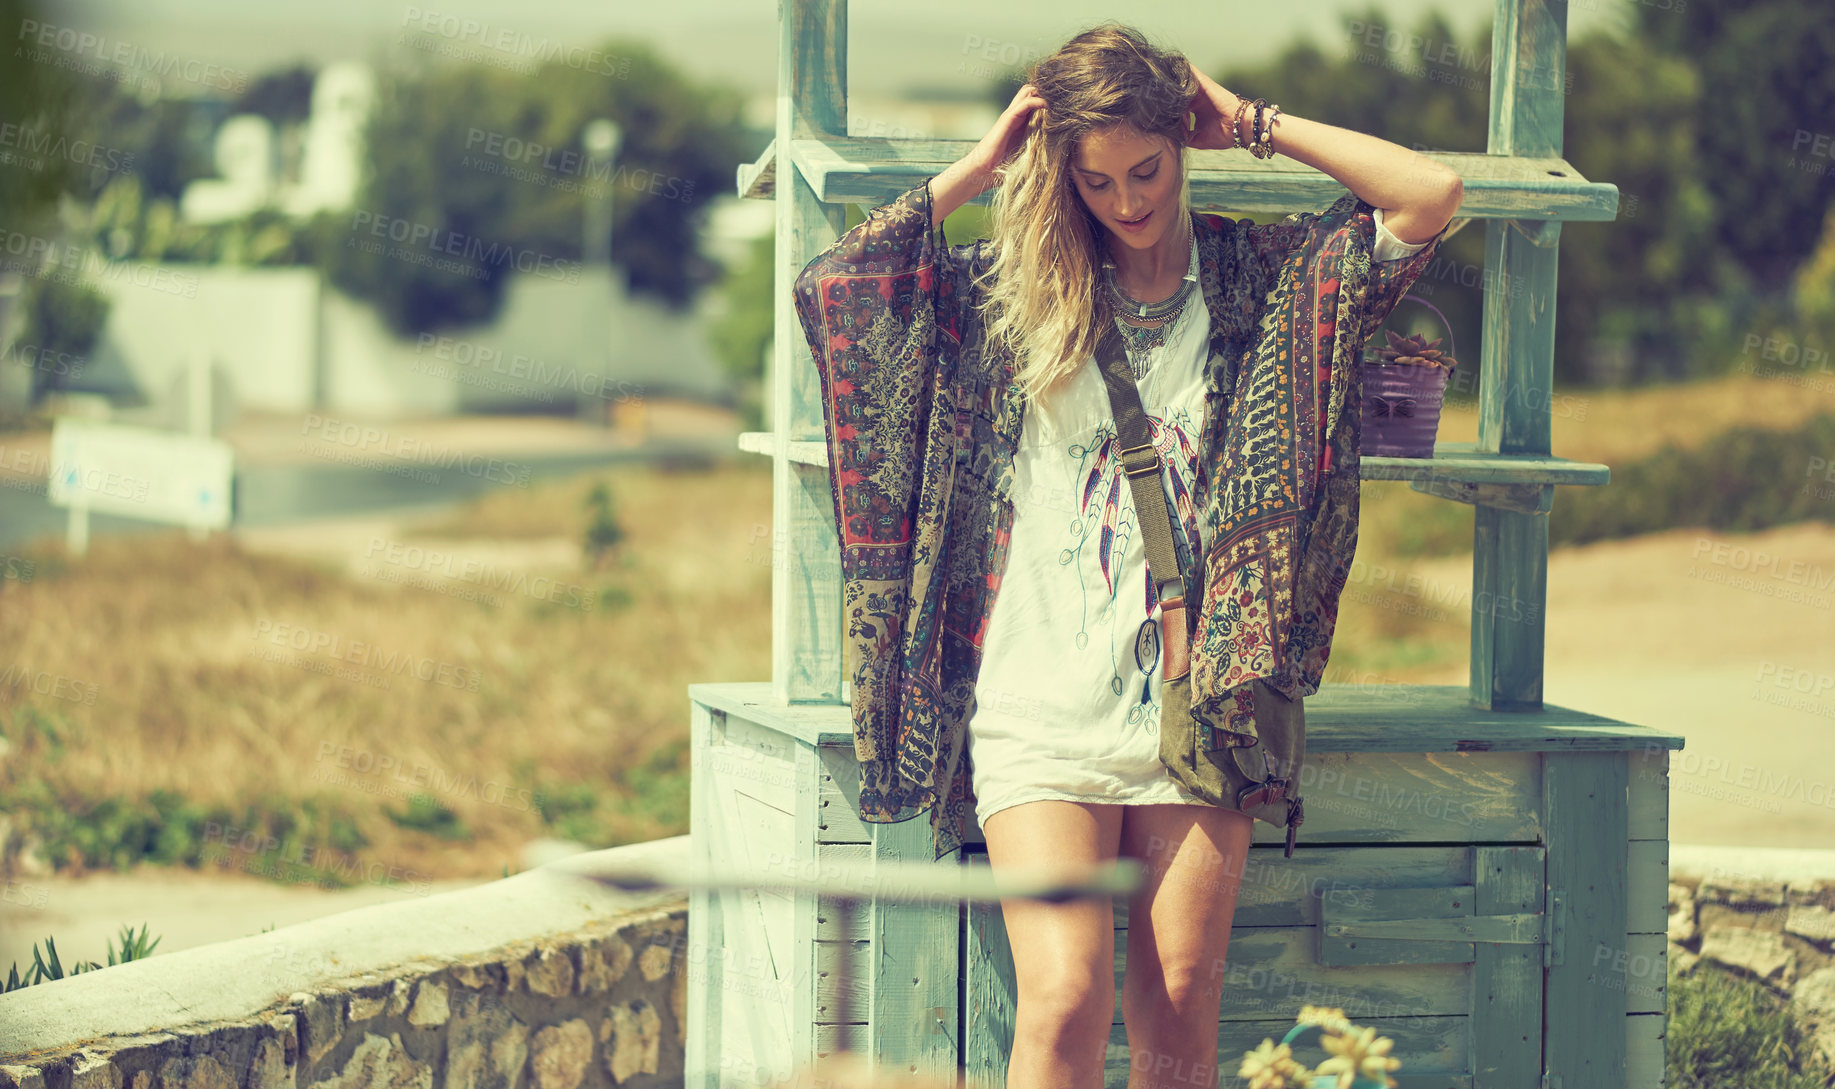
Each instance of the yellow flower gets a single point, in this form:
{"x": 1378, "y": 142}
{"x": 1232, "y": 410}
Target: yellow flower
{"x": 1270, "y": 1066}
{"x": 1360, "y": 1052}
{"x": 1331, "y": 1018}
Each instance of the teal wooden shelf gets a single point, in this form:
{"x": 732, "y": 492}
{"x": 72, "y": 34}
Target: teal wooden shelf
{"x": 1339, "y": 718}
{"x": 1459, "y": 462}
{"x": 1482, "y": 876}
{"x": 871, "y": 171}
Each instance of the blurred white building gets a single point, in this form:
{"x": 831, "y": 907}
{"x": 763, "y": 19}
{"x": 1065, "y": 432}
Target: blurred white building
{"x": 331, "y": 157}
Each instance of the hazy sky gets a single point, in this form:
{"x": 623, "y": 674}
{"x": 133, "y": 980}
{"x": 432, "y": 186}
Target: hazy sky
{"x": 892, "y": 46}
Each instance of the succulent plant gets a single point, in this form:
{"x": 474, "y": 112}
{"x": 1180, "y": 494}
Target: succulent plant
{"x": 1417, "y": 350}
{"x": 1360, "y": 1058}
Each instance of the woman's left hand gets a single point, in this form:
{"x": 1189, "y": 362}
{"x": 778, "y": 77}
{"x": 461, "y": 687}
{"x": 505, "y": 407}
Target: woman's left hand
{"x": 1214, "y": 107}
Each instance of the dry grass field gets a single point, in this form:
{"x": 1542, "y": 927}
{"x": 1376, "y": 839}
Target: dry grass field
{"x": 425, "y": 695}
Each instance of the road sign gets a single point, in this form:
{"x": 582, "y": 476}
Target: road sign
{"x": 141, "y": 472}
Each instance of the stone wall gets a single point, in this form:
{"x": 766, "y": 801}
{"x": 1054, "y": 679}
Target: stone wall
{"x": 1780, "y": 932}
{"x": 541, "y": 980}
{"x": 546, "y": 981}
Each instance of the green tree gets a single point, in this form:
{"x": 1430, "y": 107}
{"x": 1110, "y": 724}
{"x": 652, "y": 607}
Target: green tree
{"x": 283, "y": 96}
{"x": 1769, "y": 94}
{"x": 495, "y": 159}
{"x": 62, "y": 321}
{"x": 45, "y": 102}
{"x": 743, "y": 333}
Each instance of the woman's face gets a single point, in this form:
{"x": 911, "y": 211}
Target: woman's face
{"x": 1130, "y": 182}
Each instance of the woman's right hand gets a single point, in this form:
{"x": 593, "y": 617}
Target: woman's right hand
{"x": 970, "y": 176}
{"x": 1009, "y": 132}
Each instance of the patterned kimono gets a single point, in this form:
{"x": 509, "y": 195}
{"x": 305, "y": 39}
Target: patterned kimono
{"x": 922, "y": 419}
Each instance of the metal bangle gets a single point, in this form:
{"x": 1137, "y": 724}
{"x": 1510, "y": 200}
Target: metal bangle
{"x": 1242, "y": 106}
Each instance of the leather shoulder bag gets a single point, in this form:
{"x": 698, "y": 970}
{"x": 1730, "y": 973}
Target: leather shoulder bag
{"x": 1259, "y": 776}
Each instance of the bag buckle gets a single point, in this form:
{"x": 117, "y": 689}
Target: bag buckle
{"x": 1266, "y": 792}
{"x": 1295, "y": 814}
{"x": 1152, "y": 466}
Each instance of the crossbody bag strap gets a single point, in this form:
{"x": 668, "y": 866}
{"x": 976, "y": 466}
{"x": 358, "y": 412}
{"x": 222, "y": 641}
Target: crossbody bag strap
{"x": 1141, "y": 462}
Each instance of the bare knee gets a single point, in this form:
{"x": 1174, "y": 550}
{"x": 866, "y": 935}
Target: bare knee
{"x": 1172, "y": 994}
{"x": 1068, "y": 1011}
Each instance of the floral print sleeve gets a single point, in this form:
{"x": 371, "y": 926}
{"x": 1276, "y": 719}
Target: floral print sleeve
{"x": 881, "y": 311}
{"x": 1390, "y": 280}
{"x": 1283, "y": 528}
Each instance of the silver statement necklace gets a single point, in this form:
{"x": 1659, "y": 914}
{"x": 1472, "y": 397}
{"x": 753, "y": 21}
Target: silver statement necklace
{"x": 1141, "y": 341}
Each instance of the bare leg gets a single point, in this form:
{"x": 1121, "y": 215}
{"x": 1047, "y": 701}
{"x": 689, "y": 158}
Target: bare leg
{"x": 1063, "y": 954}
{"x": 1178, "y": 935}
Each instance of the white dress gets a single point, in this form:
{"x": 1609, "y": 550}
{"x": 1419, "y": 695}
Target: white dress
{"x": 1059, "y": 710}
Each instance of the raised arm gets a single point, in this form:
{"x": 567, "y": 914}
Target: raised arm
{"x": 1418, "y": 195}
{"x": 970, "y": 176}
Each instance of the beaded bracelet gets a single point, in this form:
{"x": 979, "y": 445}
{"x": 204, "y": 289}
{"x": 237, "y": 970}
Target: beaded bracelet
{"x": 1242, "y": 105}
{"x": 1263, "y": 148}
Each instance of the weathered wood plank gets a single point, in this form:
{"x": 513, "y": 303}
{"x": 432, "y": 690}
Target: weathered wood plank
{"x": 759, "y": 179}
{"x": 1585, "y": 998}
{"x": 871, "y": 171}
{"x": 806, "y": 661}
{"x": 914, "y": 1018}
{"x": 802, "y": 906}
{"x": 744, "y": 798}
{"x": 1411, "y": 797}
{"x": 1430, "y": 1047}
{"x": 1644, "y": 1058}
{"x": 1339, "y": 718}
{"x": 1468, "y": 463}
{"x": 1506, "y": 1011}
{"x": 1277, "y": 891}
{"x": 1509, "y": 613}
{"x": 1647, "y": 885}
{"x": 1458, "y": 462}
{"x": 1271, "y": 971}
{"x": 1431, "y": 1051}
{"x": 702, "y": 1052}
{"x": 1516, "y": 378}
{"x": 838, "y": 796}
{"x": 1649, "y": 793}
{"x": 990, "y": 995}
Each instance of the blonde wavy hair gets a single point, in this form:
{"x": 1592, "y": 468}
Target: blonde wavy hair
{"x": 1043, "y": 300}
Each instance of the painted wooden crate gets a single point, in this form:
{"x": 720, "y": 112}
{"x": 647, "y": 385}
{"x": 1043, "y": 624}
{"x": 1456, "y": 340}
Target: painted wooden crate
{"x": 1486, "y": 887}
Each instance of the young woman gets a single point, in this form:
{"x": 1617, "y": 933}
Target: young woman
{"x": 994, "y": 577}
